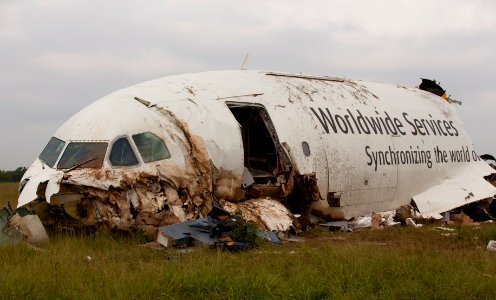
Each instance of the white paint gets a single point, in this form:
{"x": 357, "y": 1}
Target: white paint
{"x": 28, "y": 194}
{"x": 53, "y": 186}
{"x": 338, "y": 159}
{"x": 453, "y": 192}
{"x": 31, "y": 228}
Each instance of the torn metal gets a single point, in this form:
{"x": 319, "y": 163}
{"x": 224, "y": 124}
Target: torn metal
{"x": 20, "y": 225}
{"x": 269, "y": 144}
{"x": 217, "y": 229}
{"x": 8, "y": 234}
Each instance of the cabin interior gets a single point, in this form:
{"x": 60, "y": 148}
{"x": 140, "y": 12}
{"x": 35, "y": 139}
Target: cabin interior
{"x": 261, "y": 156}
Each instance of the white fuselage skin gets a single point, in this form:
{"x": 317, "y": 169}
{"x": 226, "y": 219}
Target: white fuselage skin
{"x": 372, "y": 146}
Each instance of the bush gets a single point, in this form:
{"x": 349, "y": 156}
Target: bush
{"x": 244, "y": 231}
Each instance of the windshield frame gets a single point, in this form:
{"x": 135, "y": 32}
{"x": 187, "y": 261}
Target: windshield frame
{"x": 132, "y": 148}
{"x": 58, "y": 151}
{"x": 139, "y": 140}
{"x": 83, "y": 156}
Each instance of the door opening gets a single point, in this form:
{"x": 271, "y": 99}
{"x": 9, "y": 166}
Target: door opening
{"x": 264, "y": 156}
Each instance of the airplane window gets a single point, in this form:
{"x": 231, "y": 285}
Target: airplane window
{"x": 52, "y": 151}
{"x": 306, "y": 148}
{"x": 122, "y": 154}
{"x": 83, "y": 155}
{"x": 151, "y": 147}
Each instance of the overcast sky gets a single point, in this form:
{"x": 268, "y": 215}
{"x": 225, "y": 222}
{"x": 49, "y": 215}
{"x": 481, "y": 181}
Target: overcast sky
{"x": 58, "y": 56}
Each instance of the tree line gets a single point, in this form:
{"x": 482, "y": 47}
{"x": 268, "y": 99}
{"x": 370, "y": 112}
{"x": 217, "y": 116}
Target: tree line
{"x": 12, "y": 176}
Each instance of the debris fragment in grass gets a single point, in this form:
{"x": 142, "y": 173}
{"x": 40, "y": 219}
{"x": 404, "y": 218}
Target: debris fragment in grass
{"x": 491, "y": 245}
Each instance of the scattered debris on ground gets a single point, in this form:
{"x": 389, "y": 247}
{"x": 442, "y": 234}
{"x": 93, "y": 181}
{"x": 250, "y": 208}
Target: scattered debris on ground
{"x": 19, "y": 225}
{"x": 242, "y": 227}
{"x": 444, "y": 229}
{"x": 219, "y": 229}
{"x": 491, "y": 245}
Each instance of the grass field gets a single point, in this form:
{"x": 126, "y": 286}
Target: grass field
{"x": 391, "y": 263}
{"x": 8, "y": 193}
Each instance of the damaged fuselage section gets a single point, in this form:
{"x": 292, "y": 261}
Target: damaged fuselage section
{"x": 272, "y": 145}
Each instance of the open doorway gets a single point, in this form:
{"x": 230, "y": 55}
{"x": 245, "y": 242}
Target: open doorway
{"x": 264, "y": 156}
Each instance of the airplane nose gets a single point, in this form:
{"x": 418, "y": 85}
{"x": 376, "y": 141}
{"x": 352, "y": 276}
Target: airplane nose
{"x": 34, "y": 183}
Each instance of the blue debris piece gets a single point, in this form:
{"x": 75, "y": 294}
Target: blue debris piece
{"x": 189, "y": 233}
{"x": 270, "y": 236}
{"x": 206, "y": 231}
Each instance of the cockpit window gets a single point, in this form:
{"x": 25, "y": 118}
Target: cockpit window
{"x": 122, "y": 154}
{"x": 52, "y": 151}
{"x": 151, "y": 147}
{"x": 83, "y": 154}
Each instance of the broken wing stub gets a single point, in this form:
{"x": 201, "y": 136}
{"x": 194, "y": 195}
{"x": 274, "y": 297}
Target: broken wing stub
{"x": 465, "y": 188}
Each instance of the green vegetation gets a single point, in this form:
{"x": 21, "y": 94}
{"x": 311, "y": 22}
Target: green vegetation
{"x": 12, "y": 176}
{"x": 393, "y": 263}
{"x": 243, "y": 231}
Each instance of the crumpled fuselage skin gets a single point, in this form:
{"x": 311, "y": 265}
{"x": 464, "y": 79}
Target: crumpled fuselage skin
{"x": 191, "y": 114}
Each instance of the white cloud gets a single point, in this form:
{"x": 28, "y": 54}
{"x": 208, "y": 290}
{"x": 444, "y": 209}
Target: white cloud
{"x": 10, "y": 21}
{"x": 145, "y": 61}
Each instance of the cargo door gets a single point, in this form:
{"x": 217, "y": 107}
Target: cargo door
{"x": 267, "y": 164}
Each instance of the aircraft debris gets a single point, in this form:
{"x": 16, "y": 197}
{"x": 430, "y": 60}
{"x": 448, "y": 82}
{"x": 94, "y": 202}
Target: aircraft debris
{"x": 363, "y": 222}
{"x": 491, "y": 245}
{"x": 433, "y": 87}
{"x": 462, "y": 219}
{"x": 489, "y": 159}
{"x": 389, "y": 218}
{"x": 219, "y": 229}
{"x": 19, "y": 225}
{"x": 376, "y": 220}
{"x": 338, "y": 226}
{"x": 444, "y": 229}
{"x": 8, "y": 234}
{"x": 404, "y": 212}
{"x": 411, "y": 223}
{"x": 189, "y": 233}
{"x": 268, "y": 144}
{"x": 31, "y": 228}
{"x": 380, "y": 220}
{"x": 296, "y": 239}
{"x": 267, "y": 213}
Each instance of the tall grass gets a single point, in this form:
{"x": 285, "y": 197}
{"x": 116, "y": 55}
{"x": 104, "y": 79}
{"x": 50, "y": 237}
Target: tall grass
{"x": 391, "y": 263}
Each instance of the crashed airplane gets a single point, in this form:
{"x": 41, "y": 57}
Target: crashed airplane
{"x": 169, "y": 150}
